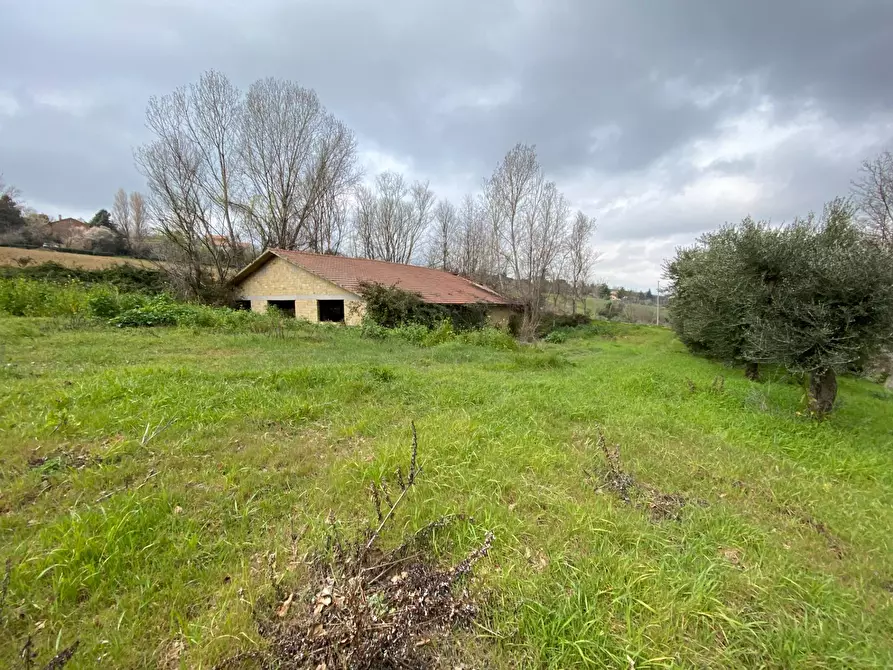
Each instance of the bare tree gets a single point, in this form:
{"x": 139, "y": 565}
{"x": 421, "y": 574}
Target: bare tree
{"x": 529, "y": 220}
{"x": 507, "y": 193}
{"x": 298, "y": 157}
{"x": 121, "y": 213}
{"x": 475, "y": 254}
{"x": 580, "y": 257}
{"x": 444, "y": 242}
{"x": 139, "y": 223}
{"x": 181, "y": 202}
{"x": 8, "y": 190}
{"x": 391, "y": 218}
{"x": 873, "y": 192}
{"x": 335, "y": 177}
{"x": 212, "y": 123}
{"x": 271, "y": 166}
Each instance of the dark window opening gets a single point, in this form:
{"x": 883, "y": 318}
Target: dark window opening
{"x": 287, "y": 307}
{"x": 242, "y": 305}
{"x": 331, "y": 310}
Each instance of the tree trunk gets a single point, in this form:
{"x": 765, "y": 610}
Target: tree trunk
{"x": 529, "y": 324}
{"x": 822, "y": 391}
{"x": 752, "y": 371}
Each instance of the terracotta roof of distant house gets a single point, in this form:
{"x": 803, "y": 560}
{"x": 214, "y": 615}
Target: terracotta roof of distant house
{"x": 435, "y": 286}
{"x": 65, "y": 227}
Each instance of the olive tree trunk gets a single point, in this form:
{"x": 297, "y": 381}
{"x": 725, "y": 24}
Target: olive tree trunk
{"x": 822, "y": 391}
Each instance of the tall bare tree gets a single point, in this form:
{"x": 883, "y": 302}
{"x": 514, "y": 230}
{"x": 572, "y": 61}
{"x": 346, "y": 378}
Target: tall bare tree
{"x": 475, "y": 256}
{"x": 272, "y": 166}
{"x": 181, "y": 202}
{"x": 139, "y": 223}
{"x": 212, "y": 116}
{"x": 507, "y": 193}
{"x": 336, "y": 177}
{"x": 297, "y": 158}
{"x": 873, "y": 193}
{"x": 580, "y": 257}
{"x": 529, "y": 220}
{"x": 391, "y": 218}
{"x": 121, "y": 213}
{"x": 444, "y": 242}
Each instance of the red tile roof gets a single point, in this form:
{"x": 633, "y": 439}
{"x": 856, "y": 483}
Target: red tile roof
{"x": 435, "y": 286}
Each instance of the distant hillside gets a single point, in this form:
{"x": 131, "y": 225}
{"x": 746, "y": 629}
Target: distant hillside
{"x": 15, "y": 256}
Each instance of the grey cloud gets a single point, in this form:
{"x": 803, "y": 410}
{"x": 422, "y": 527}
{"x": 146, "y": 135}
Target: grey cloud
{"x": 450, "y": 86}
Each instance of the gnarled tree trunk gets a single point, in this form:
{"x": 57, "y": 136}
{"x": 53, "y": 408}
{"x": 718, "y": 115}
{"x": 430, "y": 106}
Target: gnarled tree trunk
{"x": 752, "y": 371}
{"x": 822, "y": 391}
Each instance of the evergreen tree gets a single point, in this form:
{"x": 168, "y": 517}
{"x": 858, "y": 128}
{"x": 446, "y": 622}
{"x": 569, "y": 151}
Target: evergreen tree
{"x": 104, "y": 219}
{"x": 10, "y": 214}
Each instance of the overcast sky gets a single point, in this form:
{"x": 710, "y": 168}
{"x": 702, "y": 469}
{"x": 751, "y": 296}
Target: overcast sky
{"x": 662, "y": 118}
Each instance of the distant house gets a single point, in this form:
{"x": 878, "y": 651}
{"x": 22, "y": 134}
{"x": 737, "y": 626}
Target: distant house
{"x": 65, "y": 230}
{"x": 321, "y": 287}
{"x": 222, "y": 241}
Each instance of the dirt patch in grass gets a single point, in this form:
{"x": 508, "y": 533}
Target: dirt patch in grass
{"x": 835, "y": 544}
{"x": 61, "y": 461}
{"x": 610, "y": 476}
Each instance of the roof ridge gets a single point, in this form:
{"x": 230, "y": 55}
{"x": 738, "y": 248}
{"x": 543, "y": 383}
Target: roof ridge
{"x": 369, "y": 260}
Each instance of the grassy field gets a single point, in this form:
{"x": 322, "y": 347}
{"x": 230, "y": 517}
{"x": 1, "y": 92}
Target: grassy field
{"x": 152, "y": 551}
{"x": 633, "y": 312}
{"x": 13, "y": 256}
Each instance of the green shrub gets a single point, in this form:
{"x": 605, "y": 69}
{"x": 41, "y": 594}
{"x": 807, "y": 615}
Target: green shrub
{"x": 372, "y": 330}
{"x": 556, "y": 337}
{"x": 489, "y": 337}
{"x": 611, "y": 310}
{"x": 550, "y": 322}
{"x": 26, "y": 297}
{"x": 103, "y": 304}
{"x": 125, "y": 277}
{"x": 392, "y": 307}
{"x": 158, "y": 311}
{"x": 442, "y": 333}
{"x": 415, "y": 333}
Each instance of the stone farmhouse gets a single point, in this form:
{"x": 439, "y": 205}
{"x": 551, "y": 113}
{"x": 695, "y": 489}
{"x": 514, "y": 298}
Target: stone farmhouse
{"x": 319, "y": 287}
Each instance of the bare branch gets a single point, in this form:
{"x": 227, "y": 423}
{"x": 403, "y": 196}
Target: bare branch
{"x": 873, "y": 194}
{"x": 390, "y": 220}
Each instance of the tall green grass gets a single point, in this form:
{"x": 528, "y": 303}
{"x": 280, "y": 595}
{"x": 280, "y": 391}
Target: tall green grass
{"x": 154, "y": 550}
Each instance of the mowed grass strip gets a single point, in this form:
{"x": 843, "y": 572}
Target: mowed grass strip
{"x": 152, "y": 545}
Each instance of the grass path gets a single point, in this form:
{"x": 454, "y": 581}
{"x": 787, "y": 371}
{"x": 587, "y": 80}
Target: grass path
{"x": 155, "y": 553}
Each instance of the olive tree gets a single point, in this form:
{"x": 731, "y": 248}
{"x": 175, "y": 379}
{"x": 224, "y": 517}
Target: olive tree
{"x": 829, "y": 306}
{"x": 815, "y": 297}
{"x": 716, "y": 287}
